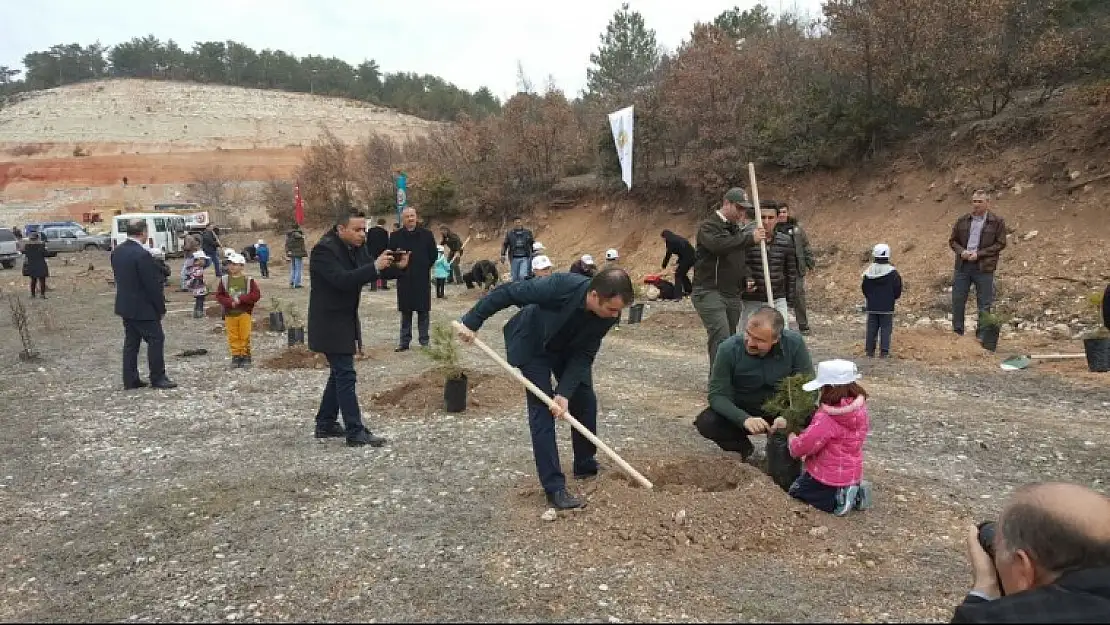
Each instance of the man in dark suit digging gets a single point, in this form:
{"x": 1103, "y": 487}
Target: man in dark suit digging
{"x": 557, "y": 332}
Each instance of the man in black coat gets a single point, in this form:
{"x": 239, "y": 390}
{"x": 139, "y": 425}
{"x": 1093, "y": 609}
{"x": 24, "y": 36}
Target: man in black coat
{"x": 680, "y": 247}
{"x": 141, "y": 303}
{"x": 377, "y": 241}
{"x": 557, "y": 331}
{"x": 210, "y": 243}
{"x": 414, "y": 281}
{"x": 333, "y": 325}
{"x": 483, "y": 273}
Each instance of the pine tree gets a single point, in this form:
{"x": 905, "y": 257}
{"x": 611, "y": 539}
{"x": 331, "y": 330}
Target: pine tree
{"x": 793, "y": 403}
{"x": 627, "y": 58}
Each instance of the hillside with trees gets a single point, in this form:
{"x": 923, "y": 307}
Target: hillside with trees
{"x": 851, "y": 87}
{"x": 234, "y": 64}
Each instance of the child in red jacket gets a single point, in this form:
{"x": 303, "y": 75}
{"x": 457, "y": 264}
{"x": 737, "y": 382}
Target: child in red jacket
{"x": 238, "y": 293}
{"x": 832, "y": 444}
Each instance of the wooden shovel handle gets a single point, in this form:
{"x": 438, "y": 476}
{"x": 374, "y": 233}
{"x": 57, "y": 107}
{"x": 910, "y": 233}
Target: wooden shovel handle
{"x": 762, "y": 244}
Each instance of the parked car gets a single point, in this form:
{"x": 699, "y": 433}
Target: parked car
{"x": 30, "y": 229}
{"x": 74, "y": 239}
{"x": 9, "y": 248}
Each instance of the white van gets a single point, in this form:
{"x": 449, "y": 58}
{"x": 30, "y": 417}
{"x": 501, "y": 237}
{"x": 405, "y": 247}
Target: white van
{"x": 165, "y": 231}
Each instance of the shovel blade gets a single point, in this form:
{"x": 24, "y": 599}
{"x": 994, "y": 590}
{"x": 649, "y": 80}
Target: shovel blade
{"x": 1015, "y": 363}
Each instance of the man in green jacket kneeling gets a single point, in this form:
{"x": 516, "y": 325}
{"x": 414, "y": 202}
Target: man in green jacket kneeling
{"x": 745, "y": 374}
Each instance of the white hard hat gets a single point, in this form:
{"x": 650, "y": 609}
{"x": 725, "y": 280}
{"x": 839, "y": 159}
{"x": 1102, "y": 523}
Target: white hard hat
{"x": 537, "y": 246}
{"x": 439, "y": 247}
{"x": 611, "y": 254}
{"x": 236, "y": 259}
{"x": 541, "y": 262}
{"x": 200, "y": 255}
{"x": 882, "y": 250}
{"x": 228, "y": 252}
{"x": 587, "y": 259}
{"x": 260, "y": 242}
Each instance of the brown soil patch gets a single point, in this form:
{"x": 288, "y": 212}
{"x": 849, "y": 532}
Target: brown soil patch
{"x": 672, "y": 320}
{"x": 296, "y": 358}
{"x": 934, "y": 345}
{"x": 424, "y": 393}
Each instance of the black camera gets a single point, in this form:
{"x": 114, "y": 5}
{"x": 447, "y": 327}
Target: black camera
{"x": 986, "y": 537}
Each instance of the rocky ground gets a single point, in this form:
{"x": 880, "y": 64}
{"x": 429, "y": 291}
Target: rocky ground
{"x": 213, "y": 501}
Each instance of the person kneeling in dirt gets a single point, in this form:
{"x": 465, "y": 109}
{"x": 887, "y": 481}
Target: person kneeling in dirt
{"x": 745, "y": 374}
{"x": 584, "y": 266}
{"x": 483, "y": 273}
{"x": 557, "y": 331}
{"x": 832, "y": 443}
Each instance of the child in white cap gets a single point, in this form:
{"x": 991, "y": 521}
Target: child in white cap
{"x": 195, "y": 282}
{"x": 263, "y": 252}
{"x": 882, "y": 286}
{"x": 441, "y": 271}
{"x": 238, "y": 293}
{"x": 541, "y": 266}
{"x": 832, "y": 444}
{"x": 584, "y": 266}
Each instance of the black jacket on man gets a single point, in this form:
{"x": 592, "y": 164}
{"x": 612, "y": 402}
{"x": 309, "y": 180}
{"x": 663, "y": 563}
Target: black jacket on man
{"x": 1079, "y": 597}
{"x": 678, "y": 246}
{"x": 518, "y": 243}
{"x": 780, "y": 260}
{"x": 377, "y": 241}
{"x": 209, "y": 242}
{"x": 139, "y": 295}
{"x": 34, "y": 260}
{"x": 336, "y": 288}
{"x": 721, "y": 251}
{"x": 414, "y": 282}
{"x": 546, "y": 306}
{"x": 480, "y": 273}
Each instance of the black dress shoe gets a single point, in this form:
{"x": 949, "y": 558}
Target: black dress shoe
{"x": 401, "y": 349}
{"x": 165, "y": 383}
{"x": 562, "y": 500}
{"x": 135, "y": 385}
{"x": 333, "y": 430}
{"x": 365, "y": 437}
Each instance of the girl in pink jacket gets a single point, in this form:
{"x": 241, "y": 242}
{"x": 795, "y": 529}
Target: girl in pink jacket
{"x": 832, "y": 445}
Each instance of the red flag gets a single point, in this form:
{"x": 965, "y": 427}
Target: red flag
{"x": 298, "y": 204}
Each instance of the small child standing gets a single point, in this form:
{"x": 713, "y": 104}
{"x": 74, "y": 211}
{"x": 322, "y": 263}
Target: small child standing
{"x": 263, "y": 252}
{"x": 441, "y": 271}
{"x": 882, "y": 286}
{"x": 832, "y": 445}
{"x": 238, "y": 293}
{"x": 195, "y": 282}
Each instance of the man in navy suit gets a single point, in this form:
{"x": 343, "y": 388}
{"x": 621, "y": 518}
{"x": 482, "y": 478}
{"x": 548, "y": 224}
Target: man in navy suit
{"x": 557, "y": 332}
{"x": 141, "y": 304}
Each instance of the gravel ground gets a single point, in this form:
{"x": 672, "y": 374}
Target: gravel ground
{"x": 213, "y": 502}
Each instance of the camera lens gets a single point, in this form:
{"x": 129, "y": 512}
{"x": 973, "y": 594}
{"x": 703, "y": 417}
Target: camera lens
{"x": 986, "y": 537}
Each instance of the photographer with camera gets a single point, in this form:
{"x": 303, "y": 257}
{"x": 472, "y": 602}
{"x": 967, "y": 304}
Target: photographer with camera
{"x": 1046, "y": 560}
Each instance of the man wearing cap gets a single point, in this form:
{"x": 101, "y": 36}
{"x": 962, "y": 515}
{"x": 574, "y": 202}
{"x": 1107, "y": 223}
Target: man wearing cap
{"x": 612, "y": 259}
{"x": 746, "y": 373}
{"x": 803, "y": 256}
{"x": 584, "y": 266}
{"x": 517, "y": 250}
{"x": 720, "y": 272}
{"x": 541, "y": 267}
{"x": 977, "y": 239}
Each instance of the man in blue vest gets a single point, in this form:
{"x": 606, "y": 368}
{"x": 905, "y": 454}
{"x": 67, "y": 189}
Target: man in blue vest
{"x": 557, "y": 332}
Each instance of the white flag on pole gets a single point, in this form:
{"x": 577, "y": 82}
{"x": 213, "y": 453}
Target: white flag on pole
{"x": 621, "y": 122}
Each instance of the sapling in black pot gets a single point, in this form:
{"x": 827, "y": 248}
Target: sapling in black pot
{"x": 445, "y": 351}
{"x": 990, "y": 325}
{"x": 295, "y": 331}
{"x": 277, "y": 319}
{"x": 796, "y": 406}
{"x": 1097, "y": 342}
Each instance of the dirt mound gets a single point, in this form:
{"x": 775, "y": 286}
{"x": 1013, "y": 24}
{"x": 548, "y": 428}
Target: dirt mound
{"x": 673, "y": 320}
{"x": 698, "y": 504}
{"x": 424, "y": 393}
{"x": 934, "y": 345}
{"x": 296, "y": 358}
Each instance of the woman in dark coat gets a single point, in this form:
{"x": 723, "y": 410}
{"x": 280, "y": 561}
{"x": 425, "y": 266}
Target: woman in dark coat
{"x": 34, "y": 264}
{"x": 414, "y": 284}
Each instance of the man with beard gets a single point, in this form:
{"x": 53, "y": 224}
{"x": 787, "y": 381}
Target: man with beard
{"x": 414, "y": 285}
{"x": 746, "y": 374}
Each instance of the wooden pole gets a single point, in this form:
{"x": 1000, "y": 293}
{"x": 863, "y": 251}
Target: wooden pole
{"x": 762, "y": 244}
{"x": 532, "y": 388}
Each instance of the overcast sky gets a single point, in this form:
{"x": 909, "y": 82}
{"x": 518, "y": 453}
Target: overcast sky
{"x": 468, "y": 42}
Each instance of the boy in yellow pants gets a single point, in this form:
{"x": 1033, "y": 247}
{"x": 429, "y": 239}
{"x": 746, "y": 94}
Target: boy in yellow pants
{"x": 238, "y": 293}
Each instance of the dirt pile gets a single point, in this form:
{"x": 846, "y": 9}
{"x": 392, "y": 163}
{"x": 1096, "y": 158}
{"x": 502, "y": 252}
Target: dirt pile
{"x": 934, "y": 345}
{"x": 672, "y": 320}
{"x": 297, "y": 357}
{"x": 423, "y": 394}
